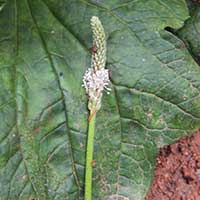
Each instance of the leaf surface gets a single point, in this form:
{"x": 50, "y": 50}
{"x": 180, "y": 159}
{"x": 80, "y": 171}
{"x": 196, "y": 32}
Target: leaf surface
{"x": 190, "y": 33}
{"x": 45, "y": 49}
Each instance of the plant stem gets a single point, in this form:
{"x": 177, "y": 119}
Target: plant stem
{"x": 89, "y": 156}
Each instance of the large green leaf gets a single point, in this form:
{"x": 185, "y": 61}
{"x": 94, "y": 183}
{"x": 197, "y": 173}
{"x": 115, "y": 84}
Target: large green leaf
{"x": 44, "y": 53}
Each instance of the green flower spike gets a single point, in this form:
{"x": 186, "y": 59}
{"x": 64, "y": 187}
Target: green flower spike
{"x": 95, "y": 80}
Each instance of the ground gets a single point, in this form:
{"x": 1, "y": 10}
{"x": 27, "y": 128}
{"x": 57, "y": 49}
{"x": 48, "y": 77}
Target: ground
{"x": 177, "y": 173}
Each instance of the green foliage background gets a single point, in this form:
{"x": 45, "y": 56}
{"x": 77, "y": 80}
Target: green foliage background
{"x": 155, "y": 99}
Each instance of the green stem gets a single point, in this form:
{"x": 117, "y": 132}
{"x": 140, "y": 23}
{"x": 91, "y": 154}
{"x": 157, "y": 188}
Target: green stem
{"x": 89, "y": 156}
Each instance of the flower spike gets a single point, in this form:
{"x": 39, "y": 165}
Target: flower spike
{"x": 96, "y": 78}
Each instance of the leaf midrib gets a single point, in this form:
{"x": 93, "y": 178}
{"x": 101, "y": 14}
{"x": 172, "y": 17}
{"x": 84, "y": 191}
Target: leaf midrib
{"x": 62, "y": 96}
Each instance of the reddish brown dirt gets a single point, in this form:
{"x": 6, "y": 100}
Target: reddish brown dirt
{"x": 196, "y": 1}
{"x": 177, "y": 173}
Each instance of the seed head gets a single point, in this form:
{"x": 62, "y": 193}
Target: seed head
{"x": 96, "y": 78}
{"x": 99, "y": 42}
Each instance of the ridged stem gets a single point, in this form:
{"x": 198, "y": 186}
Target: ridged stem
{"x": 89, "y": 156}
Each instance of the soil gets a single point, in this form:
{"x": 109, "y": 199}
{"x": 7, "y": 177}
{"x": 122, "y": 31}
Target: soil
{"x": 177, "y": 172}
{"x": 196, "y": 1}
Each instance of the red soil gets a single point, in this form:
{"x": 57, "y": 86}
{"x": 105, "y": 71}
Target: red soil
{"x": 177, "y": 173}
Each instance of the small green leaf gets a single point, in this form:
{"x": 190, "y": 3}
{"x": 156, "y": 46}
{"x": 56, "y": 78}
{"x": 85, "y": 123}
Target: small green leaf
{"x": 190, "y": 33}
